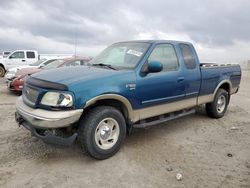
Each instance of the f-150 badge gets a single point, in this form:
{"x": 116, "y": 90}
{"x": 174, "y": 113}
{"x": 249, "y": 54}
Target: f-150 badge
{"x": 131, "y": 86}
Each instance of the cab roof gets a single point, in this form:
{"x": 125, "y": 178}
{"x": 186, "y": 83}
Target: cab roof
{"x": 156, "y": 41}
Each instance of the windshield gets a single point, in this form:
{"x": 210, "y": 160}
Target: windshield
{"x": 122, "y": 55}
{"x": 53, "y": 64}
{"x": 37, "y": 63}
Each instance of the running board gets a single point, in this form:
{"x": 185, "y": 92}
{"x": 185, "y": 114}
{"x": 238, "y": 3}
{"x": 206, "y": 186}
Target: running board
{"x": 163, "y": 118}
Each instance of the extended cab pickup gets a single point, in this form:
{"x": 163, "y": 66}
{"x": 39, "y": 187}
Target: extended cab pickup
{"x": 19, "y": 58}
{"x": 132, "y": 84}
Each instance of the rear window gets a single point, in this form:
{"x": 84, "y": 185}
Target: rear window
{"x": 74, "y": 63}
{"x": 30, "y": 55}
{"x": 37, "y": 63}
{"x": 188, "y": 56}
{"x": 49, "y": 61}
{"x": 53, "y": 64}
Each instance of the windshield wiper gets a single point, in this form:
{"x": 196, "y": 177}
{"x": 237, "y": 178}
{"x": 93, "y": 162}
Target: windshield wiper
{"x": 104, "y": 65}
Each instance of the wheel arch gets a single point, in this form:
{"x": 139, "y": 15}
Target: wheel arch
{"x": 119, "y": 102}
{"x": 225, "y": 84}
{"x": 2, "y": 65}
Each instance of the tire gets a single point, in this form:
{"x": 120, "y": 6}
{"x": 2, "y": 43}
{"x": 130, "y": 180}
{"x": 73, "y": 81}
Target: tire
{"x": 218, "y": 107}
{"x": 2, "y": 71}
{"x": 102, "y": 131}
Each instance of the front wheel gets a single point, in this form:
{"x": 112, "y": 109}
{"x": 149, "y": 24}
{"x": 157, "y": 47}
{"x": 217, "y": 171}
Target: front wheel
{"x": 102, "y": 132}
{"x": 218, "y": 107}
{"x": 2, "y": 71}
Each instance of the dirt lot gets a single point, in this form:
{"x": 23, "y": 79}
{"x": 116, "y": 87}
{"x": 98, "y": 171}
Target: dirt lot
{"x": 196, "y": 146}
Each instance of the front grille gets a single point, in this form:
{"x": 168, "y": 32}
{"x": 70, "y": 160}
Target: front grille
{"x": 30, "y": 95}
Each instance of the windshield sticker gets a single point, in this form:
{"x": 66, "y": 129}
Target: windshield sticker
{"x": 133, "y": 52}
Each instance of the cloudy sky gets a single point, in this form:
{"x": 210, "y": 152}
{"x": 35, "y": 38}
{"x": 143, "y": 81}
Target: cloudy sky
{"x": 219, "y": 29}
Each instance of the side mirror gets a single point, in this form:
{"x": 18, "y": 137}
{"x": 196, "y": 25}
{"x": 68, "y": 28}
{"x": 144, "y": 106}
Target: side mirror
{"x": 154, "y": 66}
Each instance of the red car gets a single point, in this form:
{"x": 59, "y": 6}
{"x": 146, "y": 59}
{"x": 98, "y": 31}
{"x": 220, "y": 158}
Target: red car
{"x": 16, "y": 84}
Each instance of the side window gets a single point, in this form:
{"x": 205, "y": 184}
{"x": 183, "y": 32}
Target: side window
{"x": 30, "y": 55}
{"x": 165, "y": 54}
{"x": 82, "y": 62}
{"x": 17, "y": 55}
{"x": 188, "y": 56}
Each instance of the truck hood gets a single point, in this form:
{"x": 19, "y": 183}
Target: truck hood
{"x": 70, "y": 76}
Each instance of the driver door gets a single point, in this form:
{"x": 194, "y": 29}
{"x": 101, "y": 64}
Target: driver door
{"x": 163, "y": 87}
{"x": 16, "y": 59}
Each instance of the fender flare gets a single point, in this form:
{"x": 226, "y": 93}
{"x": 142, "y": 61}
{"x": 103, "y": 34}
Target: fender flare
{"x": 131, "y": 115}
{"x": 220, "y": 84}
{"x": 2, "y": 65}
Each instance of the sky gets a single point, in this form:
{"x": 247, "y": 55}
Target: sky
{"x": 219, "y": 29}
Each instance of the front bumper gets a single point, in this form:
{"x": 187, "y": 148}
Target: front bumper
{"x": 8, "y": 76}
{"x": 46, "y": 138}
{"x": 45, "y": 119}
{"x": 38, "y": 121}
{"x": 14, "y": 86}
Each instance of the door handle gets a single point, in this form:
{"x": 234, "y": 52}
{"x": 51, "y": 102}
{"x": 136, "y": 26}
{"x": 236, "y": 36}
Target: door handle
{"x": 23, "y": 60}
{"x": 180, "y": 79}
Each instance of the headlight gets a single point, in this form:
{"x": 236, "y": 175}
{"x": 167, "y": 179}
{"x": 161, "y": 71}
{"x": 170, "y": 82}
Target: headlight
{"x": 57, "y": 99}
{"x": 10, "y": 75}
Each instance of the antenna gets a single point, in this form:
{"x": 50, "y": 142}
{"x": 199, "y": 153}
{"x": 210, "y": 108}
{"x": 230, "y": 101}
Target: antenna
{"x": 75, "y": 39}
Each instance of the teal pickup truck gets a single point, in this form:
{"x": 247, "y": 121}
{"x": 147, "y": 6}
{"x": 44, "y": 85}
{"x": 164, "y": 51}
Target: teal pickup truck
{"x": 134, "y": 84}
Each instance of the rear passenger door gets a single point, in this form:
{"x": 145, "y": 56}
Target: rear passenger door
{"x": 30, "y": 57}
{"x": 165, "y": 86}
{"x": 191, "y": 70}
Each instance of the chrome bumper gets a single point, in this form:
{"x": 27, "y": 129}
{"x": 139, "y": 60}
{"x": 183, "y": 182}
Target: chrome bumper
{"x": 45, "y": 119}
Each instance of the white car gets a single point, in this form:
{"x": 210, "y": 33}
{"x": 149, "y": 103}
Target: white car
{"x": 10, "y": 74}
{"x": 24, "y": 58}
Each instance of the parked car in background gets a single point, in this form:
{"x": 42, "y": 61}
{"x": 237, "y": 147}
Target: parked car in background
{"x": 10, "y": 74}
{"x": 55, "y": 56}
{"x": 2, "y": 61}
{"x": 25, "y": 57}
{"x": 5, "y": 54}
{"x": 16, "y": 83}
{"x": 133, "y": 84}
{"x": 18, "y": 58}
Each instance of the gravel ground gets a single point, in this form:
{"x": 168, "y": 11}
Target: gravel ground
{"x": 207, "y": 152}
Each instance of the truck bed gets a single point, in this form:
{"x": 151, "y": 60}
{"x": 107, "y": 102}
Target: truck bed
{"x": 212, "y": 74}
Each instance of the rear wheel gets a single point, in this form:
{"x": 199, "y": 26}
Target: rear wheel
{"x": 218, "y": 107}
{"x": 2, "y": 71}
{"x": 102, "y": 132}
